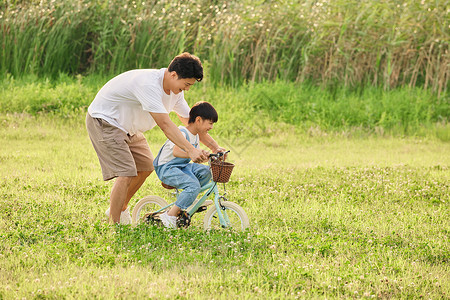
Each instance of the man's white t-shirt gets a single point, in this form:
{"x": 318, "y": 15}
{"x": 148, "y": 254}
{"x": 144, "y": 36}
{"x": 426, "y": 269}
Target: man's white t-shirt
{"x": 126, "y": 100}
{"x": 166, "y": 153}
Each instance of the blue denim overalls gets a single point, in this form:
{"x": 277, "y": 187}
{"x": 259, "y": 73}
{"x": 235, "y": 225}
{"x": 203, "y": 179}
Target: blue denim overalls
{"x": 182, "y": 174}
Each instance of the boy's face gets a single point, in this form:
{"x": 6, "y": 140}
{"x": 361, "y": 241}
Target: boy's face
{"x": 203, "y": 125}
{"x": 178, "y": 85}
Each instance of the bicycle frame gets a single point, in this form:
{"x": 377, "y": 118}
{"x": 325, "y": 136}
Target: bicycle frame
{"x": 209, "y": 188}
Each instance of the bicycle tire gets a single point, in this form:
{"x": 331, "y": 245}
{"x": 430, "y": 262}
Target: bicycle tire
{"x": 148, "y": 200}
{"x": 209, "y": 224}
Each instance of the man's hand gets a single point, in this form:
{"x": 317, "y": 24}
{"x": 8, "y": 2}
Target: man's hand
{"x": 198, "y": 155}
{"x": 206, "y": 154}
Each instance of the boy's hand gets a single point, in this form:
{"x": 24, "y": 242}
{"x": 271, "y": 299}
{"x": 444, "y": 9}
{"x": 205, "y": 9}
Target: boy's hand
{"x": 220, "y": 149}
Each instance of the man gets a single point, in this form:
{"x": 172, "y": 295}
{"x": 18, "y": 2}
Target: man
{"x": 130, "y": 104}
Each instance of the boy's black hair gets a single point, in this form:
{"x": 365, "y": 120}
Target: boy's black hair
{"x": 187, "y": 66}
{"x": 203, "y": 110}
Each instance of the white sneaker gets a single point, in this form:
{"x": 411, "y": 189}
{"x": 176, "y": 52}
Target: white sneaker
{"x": 168, "y": 221}
{"x": 125, "y": 217}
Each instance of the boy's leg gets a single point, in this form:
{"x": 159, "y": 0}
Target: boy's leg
{"x": 185, "y": 180}
{"x": 174, "y": 211}
{"x": 202, "y": 172}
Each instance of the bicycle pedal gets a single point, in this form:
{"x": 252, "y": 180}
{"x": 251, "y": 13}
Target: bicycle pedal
{"x": 153, "y": 218}
{"x": 202, "y": 208}
{"x": 183, "y": 220}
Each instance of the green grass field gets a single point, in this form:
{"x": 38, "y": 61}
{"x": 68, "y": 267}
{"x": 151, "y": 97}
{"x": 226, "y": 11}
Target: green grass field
{"x": 331, "y": 216}
{"x": 336, "y": 114}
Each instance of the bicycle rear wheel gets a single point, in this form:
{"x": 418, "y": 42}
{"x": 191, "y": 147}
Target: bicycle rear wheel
{"x": 146, "y": 205}
{"x": 238, "y": 218}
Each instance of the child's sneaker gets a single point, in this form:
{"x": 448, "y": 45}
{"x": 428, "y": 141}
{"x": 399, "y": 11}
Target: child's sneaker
{"x": 168, "y": 221}
{"x": 125, "y": 217}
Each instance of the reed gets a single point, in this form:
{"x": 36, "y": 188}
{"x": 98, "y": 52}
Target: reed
{"x": 349, "y": 42}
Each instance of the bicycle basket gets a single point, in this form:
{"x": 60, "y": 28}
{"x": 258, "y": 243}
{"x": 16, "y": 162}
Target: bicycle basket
{"x": 221, "y": 171}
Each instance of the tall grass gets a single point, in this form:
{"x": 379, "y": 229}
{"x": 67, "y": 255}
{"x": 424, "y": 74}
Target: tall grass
{"x": 385, "y": 43}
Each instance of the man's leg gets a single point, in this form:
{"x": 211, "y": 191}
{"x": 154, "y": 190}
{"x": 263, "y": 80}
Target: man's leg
{"x": 118, "y": 197}
{"x": 111, "y": 145}
{"x": 143, "y": 159}
{"x": 123, "y": 190}
{"x": 135, "y": 185}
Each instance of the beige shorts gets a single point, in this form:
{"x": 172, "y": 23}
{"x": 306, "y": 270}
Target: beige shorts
{"x": 119, "y": 153}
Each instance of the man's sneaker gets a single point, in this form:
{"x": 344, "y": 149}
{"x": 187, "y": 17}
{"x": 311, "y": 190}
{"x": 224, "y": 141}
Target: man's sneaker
{"x": 125, "y": 217}
{"x": 168, "y": 221}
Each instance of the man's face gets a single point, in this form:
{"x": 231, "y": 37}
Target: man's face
{"x": 183, "y": 84}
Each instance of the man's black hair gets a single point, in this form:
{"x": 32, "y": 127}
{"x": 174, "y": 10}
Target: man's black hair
{"x": 204, "y": 110}
{"x": 187, "y": 66}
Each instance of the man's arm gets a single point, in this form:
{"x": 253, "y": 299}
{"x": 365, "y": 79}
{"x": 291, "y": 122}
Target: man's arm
{"x": 205, "y": 138}
{"x": 174, "y": 134}
{"x": 178, "y": 152}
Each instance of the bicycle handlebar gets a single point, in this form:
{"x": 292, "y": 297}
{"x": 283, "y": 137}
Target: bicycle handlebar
{"x": 219, "y": 154}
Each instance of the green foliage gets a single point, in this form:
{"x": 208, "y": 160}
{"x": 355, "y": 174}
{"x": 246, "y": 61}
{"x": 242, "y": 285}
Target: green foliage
{"x": 343, "y": 108}
{"x": 358, "y": 43}
{"x": 40, "y": 96}
{"x": 260, "y": 108}
{"x": 330, "y": 218}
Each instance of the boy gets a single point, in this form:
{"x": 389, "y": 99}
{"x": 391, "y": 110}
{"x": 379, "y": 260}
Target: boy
{"x": 173, "y": 167}
{"x": 130, "y": 104}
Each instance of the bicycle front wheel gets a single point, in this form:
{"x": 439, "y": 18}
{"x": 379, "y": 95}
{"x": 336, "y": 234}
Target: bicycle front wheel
{"x": 146, "y": 205}
{"x": 238, "y": 219}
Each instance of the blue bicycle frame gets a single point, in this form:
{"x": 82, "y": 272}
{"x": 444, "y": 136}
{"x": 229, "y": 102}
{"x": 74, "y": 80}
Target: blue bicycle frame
{"x": 210, "y": 187}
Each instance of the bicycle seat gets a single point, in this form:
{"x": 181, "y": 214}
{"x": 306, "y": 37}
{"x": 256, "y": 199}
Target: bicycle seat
{"x": 167, "y": 186}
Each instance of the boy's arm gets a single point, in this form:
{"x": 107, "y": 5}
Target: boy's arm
{"x": 178, "y": 152}
{"x": 209, "y": 142}
{"x": 206, "y": 139}
{"x": 174, "y": 134}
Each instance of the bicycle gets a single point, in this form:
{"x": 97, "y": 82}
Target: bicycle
{"x": 223, "y": 214}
